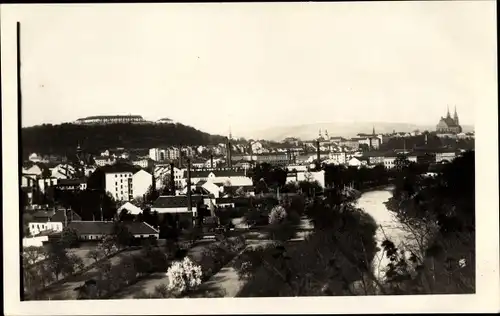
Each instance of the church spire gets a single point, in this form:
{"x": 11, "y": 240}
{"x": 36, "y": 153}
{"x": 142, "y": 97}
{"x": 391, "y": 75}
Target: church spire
{"x": 448, "y": 112}
{"x": 455, "y": 116}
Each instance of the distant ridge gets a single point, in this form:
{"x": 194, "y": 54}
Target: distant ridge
{"x": 344, "y": 129}
{"x": 63, "y": 138}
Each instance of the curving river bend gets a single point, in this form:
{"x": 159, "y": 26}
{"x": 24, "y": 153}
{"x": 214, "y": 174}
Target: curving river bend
{"x": 372, "y": 202}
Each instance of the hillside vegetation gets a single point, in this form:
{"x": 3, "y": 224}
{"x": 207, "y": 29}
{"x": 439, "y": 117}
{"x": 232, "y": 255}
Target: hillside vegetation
{"x": 58, "y": 139}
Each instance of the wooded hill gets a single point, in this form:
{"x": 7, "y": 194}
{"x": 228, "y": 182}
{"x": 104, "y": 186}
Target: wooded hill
{"x": 64, "y": 138}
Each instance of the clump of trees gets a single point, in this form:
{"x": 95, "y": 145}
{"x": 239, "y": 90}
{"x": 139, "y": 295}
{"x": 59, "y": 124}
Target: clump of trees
{"x": 438, "y": 215}
{"x": 337, "y": 253}
{"x": 56, "y": 139}
{"x": 267, "y": 178}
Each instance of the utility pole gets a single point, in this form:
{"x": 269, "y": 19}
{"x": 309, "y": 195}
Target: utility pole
{"x": 189, "y": 197}
{"x": 180, "y": 156}
{"x": 172, "y": 179}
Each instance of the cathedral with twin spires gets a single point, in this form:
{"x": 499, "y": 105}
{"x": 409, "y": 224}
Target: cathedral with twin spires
{"x": 448, "y": 124}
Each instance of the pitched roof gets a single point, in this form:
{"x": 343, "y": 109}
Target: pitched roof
{"x": 170, "y": 201}
{"x": 120, "y": 167}
{"x": 216, "y": 172}
{"x": 70, "y": 215}
{"x": 44, "y": 214}
{"x": 70, "y": 181}
{"x": 104, "y": 228}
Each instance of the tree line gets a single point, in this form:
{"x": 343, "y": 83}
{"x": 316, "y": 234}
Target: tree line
{"x": 56, "y": 139}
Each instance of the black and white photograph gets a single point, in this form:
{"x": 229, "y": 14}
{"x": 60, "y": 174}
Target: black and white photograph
{"x": 322, "y": 155}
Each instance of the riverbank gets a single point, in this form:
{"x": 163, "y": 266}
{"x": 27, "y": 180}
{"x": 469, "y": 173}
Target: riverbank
{"x": 373, "y": 203}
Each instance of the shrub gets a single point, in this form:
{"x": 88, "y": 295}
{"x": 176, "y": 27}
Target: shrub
{"x": 183, "y": 276}
{"x": 277, "y": 215}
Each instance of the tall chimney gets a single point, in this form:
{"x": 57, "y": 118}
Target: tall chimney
{"x": 318, "y": 152}
{"x": 102, "y": 218}
{"x": 228, "y": 149}
{"x": 172, "y": 179}
{"x": 189, "y": 206}
{"x": 212, "y": 161}
{"x": 180, "y": 156}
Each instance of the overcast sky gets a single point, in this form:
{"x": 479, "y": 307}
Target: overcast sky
{"x": 252, "y": 66}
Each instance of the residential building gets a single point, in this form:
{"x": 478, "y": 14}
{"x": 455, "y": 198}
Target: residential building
{"x": 257, "y": 147}
{"x": 356, "y": 162}
{"x": 35, "y": 170}
{"x": 162, "y": 174}
{"x": 352, "y": 143}
{"x": 104, "y": 161}
{"x": 131, "y": 208}
{"x": 177, "y": 204}
{"x": 280, "y": 159}
{"x": 71, "y": 184}
{"x": 34, "y": 157}
{"x": 172, "y": 153}
{"x": 96, "y": 230}
{"x": 118, "y": 181}
{"x": 53, "y": 221}
{"x": 337, "y": 158}
{"x": 390, "y": 161}
{"x": 43, "y": 184}
{"x": 63, "y": 171}
{"x": 157, "y": 154}
{"x": 165, "y": 121}
{"x": 448, "y": 156}
{"x": 232, "y": 177}
{"x": 144, "y": 163}
{"x": 141, "y": 182}
{"x": 111, "y": 119}
{"x": 298, "y": 176}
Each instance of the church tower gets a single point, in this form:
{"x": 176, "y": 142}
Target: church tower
{"x": 448, "y": 112}
{"x": 373, "y": 131}
{"x": 455, "y": 117}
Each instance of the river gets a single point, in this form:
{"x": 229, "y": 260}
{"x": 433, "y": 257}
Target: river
{"x": 372, "y": 202}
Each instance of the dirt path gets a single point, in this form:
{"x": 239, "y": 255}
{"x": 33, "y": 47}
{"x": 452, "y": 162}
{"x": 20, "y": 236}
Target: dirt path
{"x": 226, "y": 282}
{"x": 66, "y": 290}
{"x": 149, "y": 283}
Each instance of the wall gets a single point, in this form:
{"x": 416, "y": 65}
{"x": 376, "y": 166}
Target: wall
{"x": 173, "y": 210}
{"x": 141, "y": 181}
{"x": 117, "y": 185}
{"x": 147, "y": 236}
{"x": 91, "y": 237}
{"x": 37, "y": 228}
{"x": 35, "y": 241}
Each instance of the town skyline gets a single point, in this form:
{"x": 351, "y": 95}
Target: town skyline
{"x": 409, "y": 74}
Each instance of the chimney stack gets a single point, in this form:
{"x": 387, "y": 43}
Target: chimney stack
{"x": 228, "y": 149}
{"x": 172, "y": 179}
{"x": 189, "y": 206}
{"x": 318, "y": 152}
{"x": 212, "y": 161}
{"x": 180, "y": 156}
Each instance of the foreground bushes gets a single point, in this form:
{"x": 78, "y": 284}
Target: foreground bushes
{"x": 218, "y": 254}
{"x": 112, "y": 278}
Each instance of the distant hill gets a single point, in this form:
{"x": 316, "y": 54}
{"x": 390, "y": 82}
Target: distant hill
{"x": 345, "y": 129}
{"x": 64, "y": 138}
